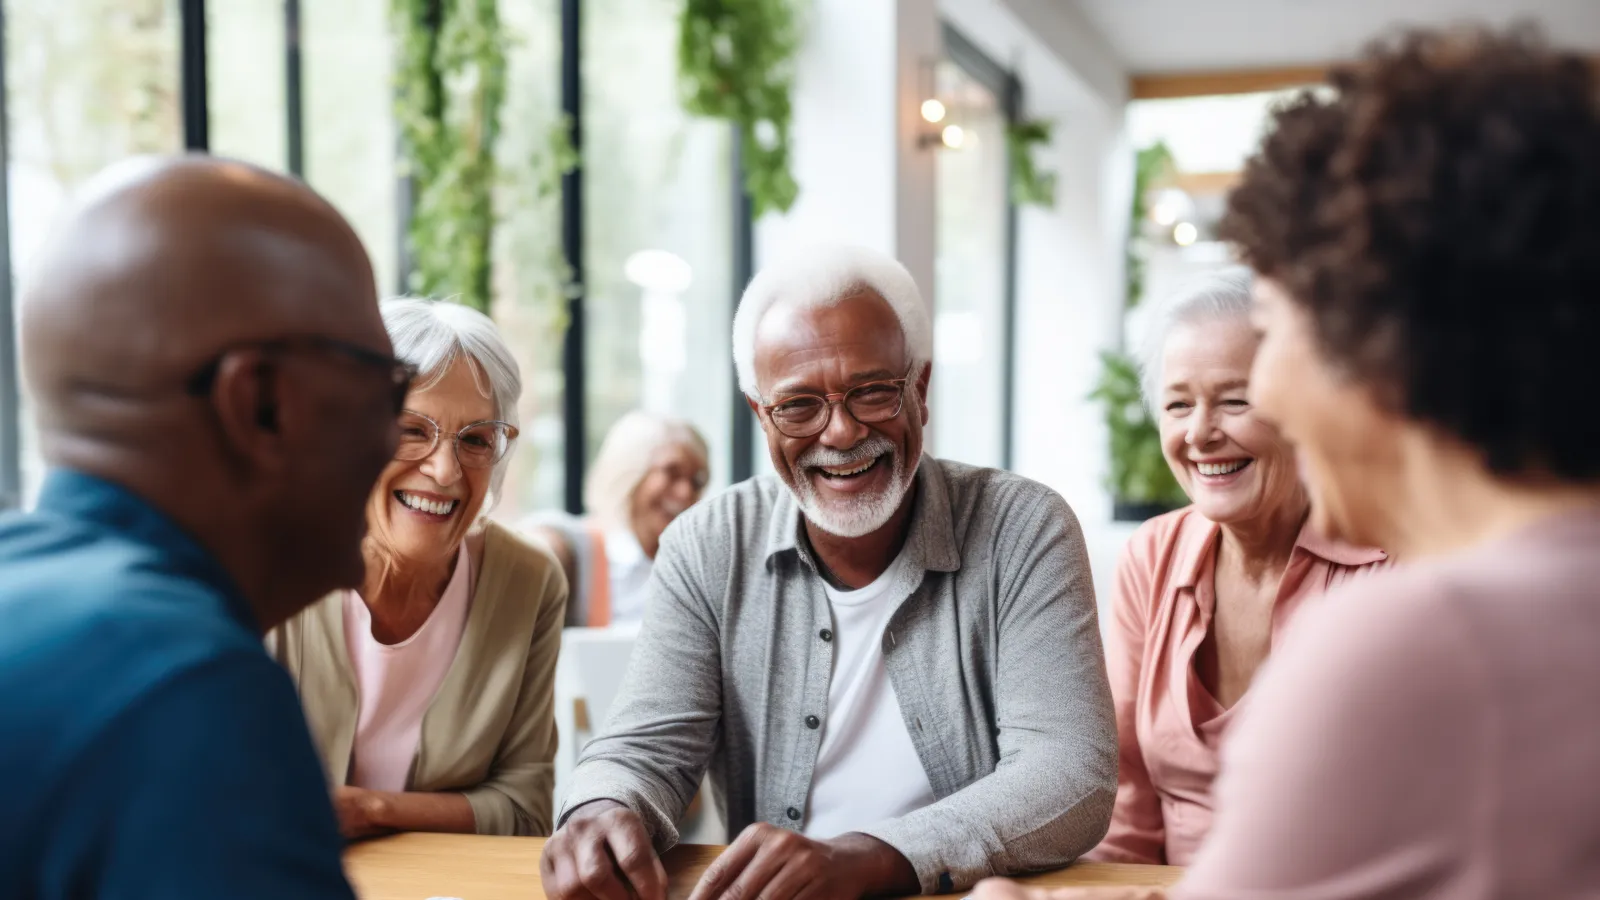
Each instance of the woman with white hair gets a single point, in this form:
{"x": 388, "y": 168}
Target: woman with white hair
{"x": 650, "y": 469}
{"x": 1203, "y": 593}
{"x": 429, "y": 691}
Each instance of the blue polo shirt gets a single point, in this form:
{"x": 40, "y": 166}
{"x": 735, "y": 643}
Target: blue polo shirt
{"x": 149, "y": 747}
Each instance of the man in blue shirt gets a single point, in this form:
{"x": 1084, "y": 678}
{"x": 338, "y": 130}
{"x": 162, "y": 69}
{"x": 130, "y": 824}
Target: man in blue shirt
{"x": 216, "y": 396}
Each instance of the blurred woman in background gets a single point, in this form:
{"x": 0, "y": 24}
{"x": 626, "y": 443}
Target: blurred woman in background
{"x": 1204, "y": 592}
{"x": 650, "y": 469}
{"x": 429, "y": 692}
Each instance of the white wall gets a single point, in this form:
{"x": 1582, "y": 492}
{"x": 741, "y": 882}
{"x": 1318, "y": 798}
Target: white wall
{"x": 1069, "y": 258}
{"x": 863, "y": 179}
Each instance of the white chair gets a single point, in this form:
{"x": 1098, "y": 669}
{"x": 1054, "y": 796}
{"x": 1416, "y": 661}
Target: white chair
{"x": 588, "y": 675}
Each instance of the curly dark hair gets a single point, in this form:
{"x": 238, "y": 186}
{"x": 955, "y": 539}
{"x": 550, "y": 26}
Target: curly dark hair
{"x": 1438, "y": 216}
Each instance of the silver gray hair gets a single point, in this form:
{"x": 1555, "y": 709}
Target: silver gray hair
{"x": 1223, "y": 295}
{"x": 822, "y": 276}
{"x": 433, "y": 334}
{"x": 624, "y": 460}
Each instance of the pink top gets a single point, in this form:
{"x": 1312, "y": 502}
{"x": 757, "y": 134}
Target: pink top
{"x": 1170, "y": 726}
{"x": 1432, "y": 731}
{"x": 395, "y": 683}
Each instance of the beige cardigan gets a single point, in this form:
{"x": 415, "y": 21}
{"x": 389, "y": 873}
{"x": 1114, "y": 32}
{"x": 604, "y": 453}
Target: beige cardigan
{"x": 490, "y": 732}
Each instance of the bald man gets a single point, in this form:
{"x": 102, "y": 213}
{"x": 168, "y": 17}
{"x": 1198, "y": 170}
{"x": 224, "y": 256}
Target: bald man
{"x": 216, "y": 395}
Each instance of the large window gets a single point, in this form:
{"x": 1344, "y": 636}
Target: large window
{"x": 91, "y": 82}
{"x": 245, "y": 81}
{"x": 529, "y": 282}
{"x": 88, "y": 82}
{"x": 658, "y": 231}
{"x": 972, "y": 269}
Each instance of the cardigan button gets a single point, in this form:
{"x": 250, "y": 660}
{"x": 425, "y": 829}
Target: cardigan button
{"x": 813, "y": 722}
{"x": 793, "y": 814}
{"x": 825, "y": 634}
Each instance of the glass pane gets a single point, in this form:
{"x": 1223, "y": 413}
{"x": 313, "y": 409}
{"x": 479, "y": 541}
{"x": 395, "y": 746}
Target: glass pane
{"x": 350, "y": 143}
{"x": 529, "y": 303}
{"x": 658, "y": 234}
{"x": 970, "y": 356}
{"x": 245, "y": 59}
{"x": 89, "y": 82}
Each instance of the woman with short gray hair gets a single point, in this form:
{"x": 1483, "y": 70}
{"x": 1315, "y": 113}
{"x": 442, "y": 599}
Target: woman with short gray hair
{"x": 429, "y": 691}
{"x": 1203, "y": 593}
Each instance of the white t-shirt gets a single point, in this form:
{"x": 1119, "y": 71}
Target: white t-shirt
{"x": 867, "y": 769}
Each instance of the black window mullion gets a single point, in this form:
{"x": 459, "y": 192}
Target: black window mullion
{"x": 293, "y": 99}
{"x": 742, "y": 440}
{"x": 573, "y": 356}
{"x": 10, "y": 396}
{"x": 192, "y": 71}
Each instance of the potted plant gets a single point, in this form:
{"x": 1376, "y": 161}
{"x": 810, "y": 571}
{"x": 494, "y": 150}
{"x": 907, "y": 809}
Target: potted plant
{"x": 1141, "y": 483}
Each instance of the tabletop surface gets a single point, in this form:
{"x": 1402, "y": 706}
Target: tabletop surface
{"x": 474, "y": 867}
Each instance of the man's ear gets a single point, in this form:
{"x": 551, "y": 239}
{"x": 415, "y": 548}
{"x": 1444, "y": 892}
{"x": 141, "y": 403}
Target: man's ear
{"x": 923, "y": 380}
{"x": 245, "y": 398}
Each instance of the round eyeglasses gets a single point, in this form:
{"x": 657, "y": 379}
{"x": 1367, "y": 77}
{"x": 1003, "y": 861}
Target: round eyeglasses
{"x": 478, "y": 446}
{"x": 804, "y": 415}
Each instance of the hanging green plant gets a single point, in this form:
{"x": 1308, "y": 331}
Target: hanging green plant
{"x": 736, "y": 62}
{"x": 1150, "y": 164}
{"x": 450, "y": 86}
{"x": 1029, "y": 186}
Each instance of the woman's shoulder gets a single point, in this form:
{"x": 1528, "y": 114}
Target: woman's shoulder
{"x": 525, "y": 560}
{"x": 1169, "y": 538}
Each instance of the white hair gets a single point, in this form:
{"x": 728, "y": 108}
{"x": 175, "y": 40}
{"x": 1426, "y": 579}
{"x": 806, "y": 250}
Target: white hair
{"x": 624, "y": 460}
{"x": 825, "y": 275}
{"x": 1222, "y": 295}
{"x": 433, "y": 334}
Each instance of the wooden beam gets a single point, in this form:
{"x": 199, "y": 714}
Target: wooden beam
{"x": 1166, "y": 86}
{"x": 1200, "y": 184}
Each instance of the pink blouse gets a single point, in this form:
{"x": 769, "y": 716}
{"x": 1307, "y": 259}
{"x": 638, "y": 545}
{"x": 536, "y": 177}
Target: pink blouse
{"x": 395, "y": 683}
{"x": 1430, "y": 732}
{"x": 1170, "y": 728}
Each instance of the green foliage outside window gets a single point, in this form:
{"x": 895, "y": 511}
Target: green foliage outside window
{"x": 736, "y": 62}
{"x": 450, "y": 85}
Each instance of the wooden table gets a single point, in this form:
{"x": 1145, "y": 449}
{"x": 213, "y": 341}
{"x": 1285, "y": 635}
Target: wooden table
{"x": 420, "y": 866}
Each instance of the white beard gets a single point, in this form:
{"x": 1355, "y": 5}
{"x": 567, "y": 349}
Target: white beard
{"x": 852, "y": 517}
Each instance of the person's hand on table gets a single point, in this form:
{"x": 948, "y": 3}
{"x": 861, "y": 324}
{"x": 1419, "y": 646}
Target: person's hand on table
{"x": 771, "y": 863}
{"x": 359, "y": 811}
{"x": 1006, "y": 889}
{"x": 602, "y": 853}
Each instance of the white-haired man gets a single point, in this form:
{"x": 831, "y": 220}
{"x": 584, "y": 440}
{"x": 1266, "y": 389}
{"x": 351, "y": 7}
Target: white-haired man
{"x": 889, "y": 662}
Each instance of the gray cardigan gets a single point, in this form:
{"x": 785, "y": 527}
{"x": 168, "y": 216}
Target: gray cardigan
{"x": 995, "y": 659}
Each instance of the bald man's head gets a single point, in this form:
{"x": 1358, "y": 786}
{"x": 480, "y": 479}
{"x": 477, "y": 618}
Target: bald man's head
{"x": 207, "y": 333}
{"x": 167, "y": 260}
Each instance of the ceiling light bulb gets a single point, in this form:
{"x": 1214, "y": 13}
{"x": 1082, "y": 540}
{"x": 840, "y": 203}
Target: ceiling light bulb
{"x": 1184, "y": 234}
{"x": 933, "y": 110}
{"x": 953, "y": 136}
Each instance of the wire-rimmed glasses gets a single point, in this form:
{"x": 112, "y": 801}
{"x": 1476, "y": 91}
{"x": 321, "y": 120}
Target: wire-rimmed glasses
{"x": 478, "y": 446}
{"x": 804, "y": 415}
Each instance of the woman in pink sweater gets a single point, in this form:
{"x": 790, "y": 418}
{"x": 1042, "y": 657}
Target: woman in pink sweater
{"x": 1427, "y": 244}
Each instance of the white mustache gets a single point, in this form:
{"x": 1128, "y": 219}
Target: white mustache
{"x": 871, "y": 448}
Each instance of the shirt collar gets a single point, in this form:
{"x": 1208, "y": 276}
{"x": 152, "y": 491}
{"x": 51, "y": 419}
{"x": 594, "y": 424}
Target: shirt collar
{"x": 1198, "y": 536}
{"x": 930, "y": 544}
{"x": 78, "y": 495}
